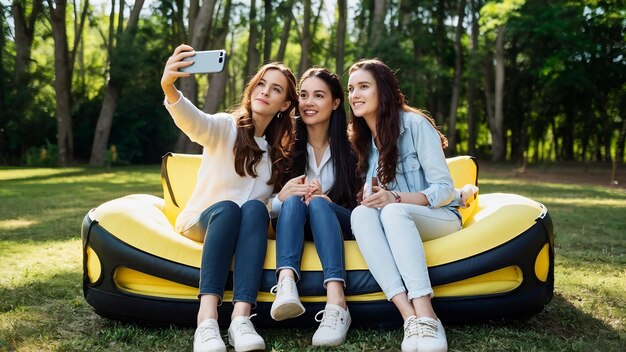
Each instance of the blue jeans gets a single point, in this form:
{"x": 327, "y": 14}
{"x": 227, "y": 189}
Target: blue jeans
{"x": 326, "y": 221}
{"x": 230, "y": 230}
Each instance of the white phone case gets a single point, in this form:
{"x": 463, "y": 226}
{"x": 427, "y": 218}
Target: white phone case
{"x": 210, "y": 61}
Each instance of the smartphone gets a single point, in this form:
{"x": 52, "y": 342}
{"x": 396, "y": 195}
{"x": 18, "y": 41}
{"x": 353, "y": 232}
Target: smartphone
{"x": 210, "y": 61}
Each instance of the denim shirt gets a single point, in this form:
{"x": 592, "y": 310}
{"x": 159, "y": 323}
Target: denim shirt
{"x": 422, "y": 166}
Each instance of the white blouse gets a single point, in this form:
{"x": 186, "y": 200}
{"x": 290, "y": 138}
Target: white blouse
{"x": 324, "y": 172}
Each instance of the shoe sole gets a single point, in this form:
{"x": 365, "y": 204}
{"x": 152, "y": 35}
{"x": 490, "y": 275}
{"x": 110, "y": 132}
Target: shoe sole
{"x": 253, "y": 347}
{"x": 216, "y": 349}
{"x": 287, "y": 311}
{"x": 334, "y": 343}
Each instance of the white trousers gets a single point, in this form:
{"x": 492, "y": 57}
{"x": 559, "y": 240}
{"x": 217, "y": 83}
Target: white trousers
{"x": 390, "y": 240}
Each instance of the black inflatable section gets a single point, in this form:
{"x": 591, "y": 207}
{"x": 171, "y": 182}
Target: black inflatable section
{"x": 526, "y": 300}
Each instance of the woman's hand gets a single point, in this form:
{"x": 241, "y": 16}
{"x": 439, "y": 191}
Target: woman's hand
{"x": 171, "y": 71}
{"x": 294, "y": 187}
{"x": 379, "y": 198}
{"x": 315, "y": 187}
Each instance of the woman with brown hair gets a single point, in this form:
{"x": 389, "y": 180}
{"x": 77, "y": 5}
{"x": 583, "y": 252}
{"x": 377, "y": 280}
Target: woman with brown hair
{"x": 412, "y": 201}
{"x": 243, "y": 158}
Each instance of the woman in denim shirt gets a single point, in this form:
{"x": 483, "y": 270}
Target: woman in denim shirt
{"x": 414, "y": 202}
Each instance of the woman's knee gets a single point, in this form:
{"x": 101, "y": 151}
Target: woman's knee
{"x": 253, "y": 206}
{"x": 392, "y": 211}
{"x": 255, "y": 211}
{"x": 292, "y": 203}
{"x": 227, "y": 209}
{"x": 318, "y": 203}
{"x": 363, "y": 219}
{"x": 362, "y": 213}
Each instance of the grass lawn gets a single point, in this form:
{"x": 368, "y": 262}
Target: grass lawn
{"x": 42, "y": 305}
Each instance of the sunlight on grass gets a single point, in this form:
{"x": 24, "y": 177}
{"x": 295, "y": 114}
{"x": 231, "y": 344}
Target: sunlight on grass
{"x": 583, "y": 201}
{"x": 14, "y": 224}
{"x": 25, "y": 173}
{"x": 27, "y": 262}
{"x": 517, "y": 182}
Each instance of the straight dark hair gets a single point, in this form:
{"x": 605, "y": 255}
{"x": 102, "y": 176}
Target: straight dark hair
{"x": 346, "y": 185}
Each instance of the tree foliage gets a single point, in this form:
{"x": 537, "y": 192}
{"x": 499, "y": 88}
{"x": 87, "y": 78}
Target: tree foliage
{"x": 520, "y": 80}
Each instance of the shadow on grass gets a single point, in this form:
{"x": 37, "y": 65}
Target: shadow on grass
{"x": 559, "y": 327}
{"x": 64, "y": 285}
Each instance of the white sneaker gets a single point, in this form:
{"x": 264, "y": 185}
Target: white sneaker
{"x": 242, "y": 335}
{"x": 287, "y": 303}
{"x": 424, "y": 335}
{"x": 207, "y": 337}
{"x": 333, "y": 327}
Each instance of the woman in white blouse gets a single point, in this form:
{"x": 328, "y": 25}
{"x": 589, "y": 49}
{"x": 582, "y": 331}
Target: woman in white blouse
{"x": 243, "y": 157}
{"x": 316, "y": 203}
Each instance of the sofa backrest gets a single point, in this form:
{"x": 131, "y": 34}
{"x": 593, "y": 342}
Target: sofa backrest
{"x": 464, "y": 170}
{"x": 179, "y": 173}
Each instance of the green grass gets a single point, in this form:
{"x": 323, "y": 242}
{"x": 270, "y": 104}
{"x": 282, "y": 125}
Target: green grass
{"x": 42, "y": 306}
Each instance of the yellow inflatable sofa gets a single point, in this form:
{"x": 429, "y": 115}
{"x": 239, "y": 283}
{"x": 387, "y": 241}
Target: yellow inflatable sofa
{"x": 137, "y": 268}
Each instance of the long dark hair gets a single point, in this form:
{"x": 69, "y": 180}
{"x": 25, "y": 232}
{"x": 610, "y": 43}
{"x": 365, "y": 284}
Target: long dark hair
{"x": 390, "y": 103}
{"x": 278, "y": 133}
{"x": 343, "y": 191}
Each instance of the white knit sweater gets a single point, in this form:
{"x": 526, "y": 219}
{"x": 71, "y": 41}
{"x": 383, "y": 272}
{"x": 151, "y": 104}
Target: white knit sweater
{"x": 217, "y": 179}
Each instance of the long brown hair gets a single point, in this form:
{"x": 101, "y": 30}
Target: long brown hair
{"x": 278, "y": 133}
{"x": 390, "y": 104}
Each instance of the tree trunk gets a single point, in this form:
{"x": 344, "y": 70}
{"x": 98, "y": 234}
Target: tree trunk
{"x": 286, "y": 8}
{"x": 252, "y": 59}
{"x": 267, "y": 30}
{"x": 202, "y": 25}
{"x": 619, "y": 153}
{"x": 104, "y": 123}
{"x": 607, "y": 130}
{"x": 472, "y": 131}
{"x": 621, "y": 141}
{"x": 112, "y": 92}
{"x": 62, "y": 83}
{"x": 78, "y": 28}
{"x": 305, "y": 37}
{"x": 378, "y": 22}
{"x": 307, "y": 34}
{"x": 217, "y": 86}
{"x": 439, "y": 50}
{"x": 488, "y": 88}
{"x": 24, "y": 33}
{"x": 456, "y": 85}
{"x": 497, "y": 131}
{"x": 342, "y": 6}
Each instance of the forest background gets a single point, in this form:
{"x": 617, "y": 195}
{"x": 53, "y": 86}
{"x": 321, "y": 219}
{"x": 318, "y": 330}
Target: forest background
{"x": 527, "y": 81}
